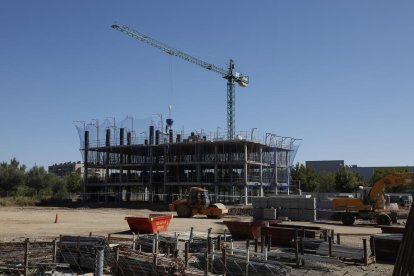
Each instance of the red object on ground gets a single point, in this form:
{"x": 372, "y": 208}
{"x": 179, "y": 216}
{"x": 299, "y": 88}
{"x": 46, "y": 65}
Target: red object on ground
{"x": 285, "y": 235}
{"x": 392, "y": 229}
{"x": 152, "y": 224}
{"x": 244, "y": 229}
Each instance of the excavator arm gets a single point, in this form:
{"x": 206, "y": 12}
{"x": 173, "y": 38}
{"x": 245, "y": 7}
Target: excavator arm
{"x": 377, "y": 192}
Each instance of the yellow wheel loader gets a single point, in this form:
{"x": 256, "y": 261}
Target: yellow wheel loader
{"x": 198, "y": 202}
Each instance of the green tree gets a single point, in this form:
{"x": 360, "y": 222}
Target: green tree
{"x": 12, "y": 176}
{"x": 306, "y": 176}
{"x": 326, "y": 182}
{"x": 74, "y": 182}
{"x": 59, "y": 189}
{"x": 381, "y": 172}
{"x": 39, "y": 180}
{"x": 346, "y": 180}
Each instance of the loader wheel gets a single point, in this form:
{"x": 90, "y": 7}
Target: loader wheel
{"x": 384, "y": 219}
{"x": 184, "y": 211}
{"x": 348, "y": 218}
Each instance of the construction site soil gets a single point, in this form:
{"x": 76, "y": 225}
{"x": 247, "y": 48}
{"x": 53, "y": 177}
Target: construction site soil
{"x": 46, "y": 223}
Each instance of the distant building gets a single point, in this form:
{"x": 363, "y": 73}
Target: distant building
{"x": 67, "y": 168}
{"x": 331, "y": 166}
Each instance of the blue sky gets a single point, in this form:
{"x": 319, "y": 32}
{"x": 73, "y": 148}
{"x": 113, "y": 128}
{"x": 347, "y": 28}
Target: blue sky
{"x": 337, "y": 74}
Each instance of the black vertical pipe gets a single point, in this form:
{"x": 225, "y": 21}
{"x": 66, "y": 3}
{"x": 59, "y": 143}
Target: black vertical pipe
{"x": 129, "y": 141}
{"x": 108, "y": 137}
{"x": 151, "y": 135}
{"x": 129, "y": 138}
{"x": 121, "y": 155}
{"x": 107, "y": 144}
{"x": 121, "y": 136}
{"x": 171, "y": 135}
{"x": 85, "y": 163}
{"x": 157, "y": 137}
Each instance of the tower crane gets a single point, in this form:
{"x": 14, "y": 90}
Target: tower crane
{"x": 230, "y": 75}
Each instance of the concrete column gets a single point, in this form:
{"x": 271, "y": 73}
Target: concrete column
{"x": 287, "y": 172}
{"x": 245, "y": 175}
{"x": 276, "y": 163}
{"x": 215, "y": 165}
{"x": 261, "y": 171}
{"x": 129, "y": 141}
{"x": 165, "y": 170}
{"x": 121, "y": 155}
{"x": 246, "y": 201}
{"x": 85, "y": 163}
{"x": 107, "y": 155}
{"x": 198, "y": 166}
{"x": 151, "y": 188}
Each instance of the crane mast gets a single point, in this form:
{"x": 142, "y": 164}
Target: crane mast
{"x": 229, "y": 74}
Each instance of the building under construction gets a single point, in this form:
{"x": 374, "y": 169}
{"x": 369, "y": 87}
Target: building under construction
{"x": 164, "y": 164}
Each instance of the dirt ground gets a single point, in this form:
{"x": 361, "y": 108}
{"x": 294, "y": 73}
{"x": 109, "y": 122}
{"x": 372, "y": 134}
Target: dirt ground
{"x": 38, "y": 223}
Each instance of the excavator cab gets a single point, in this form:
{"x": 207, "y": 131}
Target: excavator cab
{"x": 362, "y": 193}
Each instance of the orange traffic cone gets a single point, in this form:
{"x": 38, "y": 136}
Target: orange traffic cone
{"x": 56, "y": 218}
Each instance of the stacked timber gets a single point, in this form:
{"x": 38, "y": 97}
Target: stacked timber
{"x": 392, "y": 229}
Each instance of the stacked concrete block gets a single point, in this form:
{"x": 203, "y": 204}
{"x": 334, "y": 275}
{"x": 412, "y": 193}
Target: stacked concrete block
{"x": 260, "y": 202}
{"x": 264, "y": 214}
{"x": 261, "y": 210}
{"x": 295, "y": 207}
{"x": 324, "y": 210}
{"x": 257, "y": 213}
{"x": 269, "y": 214}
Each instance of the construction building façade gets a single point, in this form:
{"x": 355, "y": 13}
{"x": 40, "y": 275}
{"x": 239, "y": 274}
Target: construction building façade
{"x": 165, "y": 164}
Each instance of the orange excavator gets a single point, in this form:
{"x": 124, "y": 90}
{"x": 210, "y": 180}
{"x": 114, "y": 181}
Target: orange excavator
{"x": 369, "y": 202}
{"x": 198, "y": 202}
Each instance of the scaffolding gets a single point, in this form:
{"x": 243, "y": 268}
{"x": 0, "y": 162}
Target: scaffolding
{"x": 162, "y": 164}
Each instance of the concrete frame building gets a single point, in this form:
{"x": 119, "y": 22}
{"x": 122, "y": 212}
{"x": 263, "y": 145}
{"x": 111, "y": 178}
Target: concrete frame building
{"x": 161, "y": 168}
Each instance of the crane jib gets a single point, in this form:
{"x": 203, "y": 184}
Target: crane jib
{"x": 231, "y": 76}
